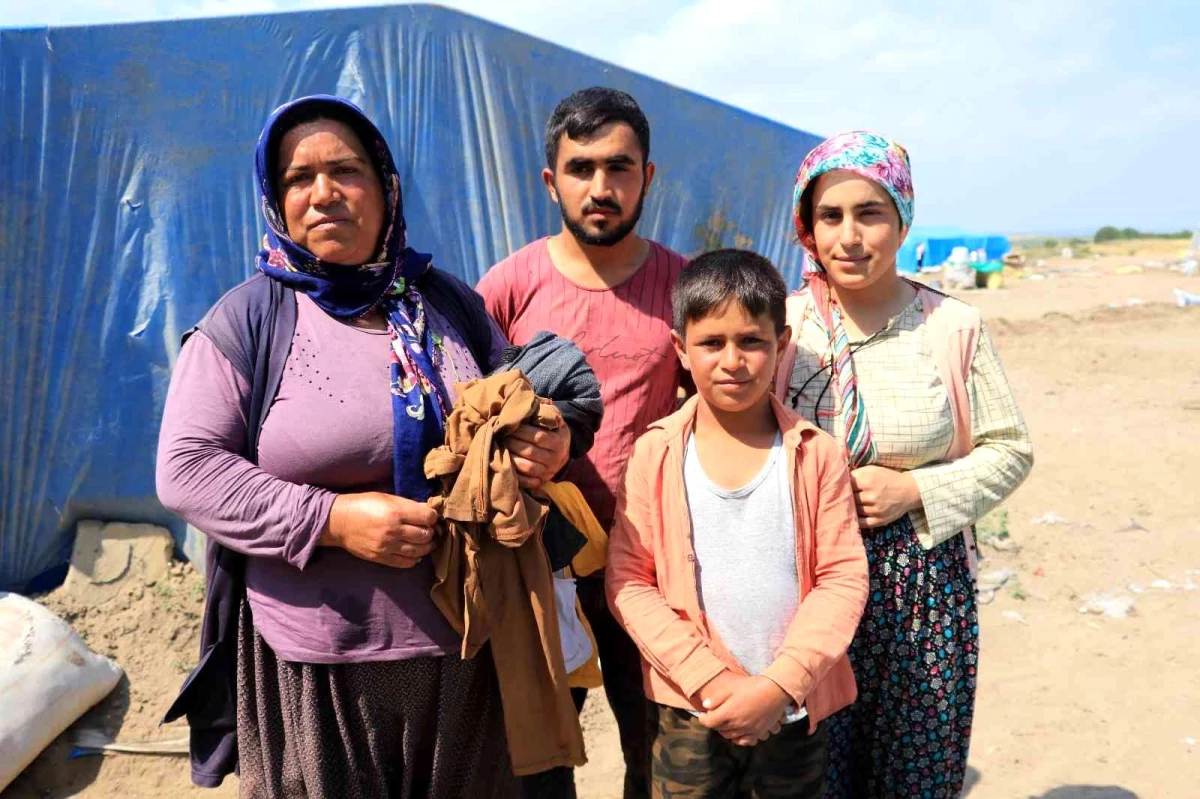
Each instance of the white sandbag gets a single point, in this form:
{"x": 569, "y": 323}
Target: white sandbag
{"x": 48, "y": 679}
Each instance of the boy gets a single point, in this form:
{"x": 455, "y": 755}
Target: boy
{"x": 735, "y": 562}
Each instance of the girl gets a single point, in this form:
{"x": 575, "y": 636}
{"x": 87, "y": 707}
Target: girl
{"x": 909, "y": 380}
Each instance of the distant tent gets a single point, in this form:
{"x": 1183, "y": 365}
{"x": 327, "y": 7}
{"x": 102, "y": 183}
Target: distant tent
{"x": 940, "y": 241}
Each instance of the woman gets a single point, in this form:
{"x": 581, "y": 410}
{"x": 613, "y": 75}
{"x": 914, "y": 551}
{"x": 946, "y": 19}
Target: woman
{"x": 909, "y": 380}
{"x": 295, "y": 429}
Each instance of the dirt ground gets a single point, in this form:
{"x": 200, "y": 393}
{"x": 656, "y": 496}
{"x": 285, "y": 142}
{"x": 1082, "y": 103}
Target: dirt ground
{"x": 1071, "y": 704}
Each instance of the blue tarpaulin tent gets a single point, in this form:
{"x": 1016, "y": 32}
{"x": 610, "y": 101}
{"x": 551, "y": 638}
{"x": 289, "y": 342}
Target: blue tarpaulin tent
{"x": 940, "y": 241}
{"x": 129, "y": 207}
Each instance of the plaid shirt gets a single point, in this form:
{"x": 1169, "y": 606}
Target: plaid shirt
{"x": 908, "y": 410}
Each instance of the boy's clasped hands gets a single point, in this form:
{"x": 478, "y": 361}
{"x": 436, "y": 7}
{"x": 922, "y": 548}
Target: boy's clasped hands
{"x": 744, "y": 710}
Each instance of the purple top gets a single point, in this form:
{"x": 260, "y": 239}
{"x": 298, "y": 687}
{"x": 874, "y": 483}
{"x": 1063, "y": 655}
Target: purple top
{"x": 328, "y": 431}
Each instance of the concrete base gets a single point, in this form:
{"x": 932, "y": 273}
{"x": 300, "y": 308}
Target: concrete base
{"x": 108, "y": 557}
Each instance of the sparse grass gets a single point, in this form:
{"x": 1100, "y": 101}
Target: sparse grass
{"x": 1079, "y": 251}
{"x": 1150, "y": 249}
{"x": 1016, "y": 591}
{"x": 1146, "y": 248}
{"x": 165, "y": 591}
{"x": 993, "y": 525}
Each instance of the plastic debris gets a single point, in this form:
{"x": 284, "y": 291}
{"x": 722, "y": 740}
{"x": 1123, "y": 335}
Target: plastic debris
{"x": 1012, "y": 615}
{"x": 1050, "y": 518}
{"x": 1134, "y": 526}
{"x": 994, "y": 579}
{"x": 97, "y": 742}
{"x": 1184, "y": 299}
{"x": 1039, "y": 572}
{"x": 984, "y": 596}
{"x": 1164, "y": 585}
{"x": 1002, "y": 544}
{"x": 48, "y": 679}
{"x": 1113, "y": 604}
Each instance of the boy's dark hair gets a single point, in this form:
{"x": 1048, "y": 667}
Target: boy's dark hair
{"x": 715, "y": 278}
{"x": 583, "y": 113}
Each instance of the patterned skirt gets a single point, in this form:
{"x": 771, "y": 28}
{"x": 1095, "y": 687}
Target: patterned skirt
{"x": 914, "y": 658}
{"x": 424, "y": 727}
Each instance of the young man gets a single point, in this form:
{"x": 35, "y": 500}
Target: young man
{"x": 601, "y": 285}
{"x": 736, "y": 563}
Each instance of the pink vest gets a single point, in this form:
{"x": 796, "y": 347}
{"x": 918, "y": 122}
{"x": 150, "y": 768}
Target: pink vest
{"x": 953, "y": 328}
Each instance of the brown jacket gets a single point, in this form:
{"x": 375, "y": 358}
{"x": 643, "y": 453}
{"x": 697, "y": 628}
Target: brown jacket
{"x": 493, "y": 579}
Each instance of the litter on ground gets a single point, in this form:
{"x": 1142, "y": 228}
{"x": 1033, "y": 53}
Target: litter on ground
{"x": 994, "y": 579}
{"x": 1002, "y": 544}
{"x": 97, "y": 742}
{"x": 1184, "y": 299}
{"x": 1114, "y": 605}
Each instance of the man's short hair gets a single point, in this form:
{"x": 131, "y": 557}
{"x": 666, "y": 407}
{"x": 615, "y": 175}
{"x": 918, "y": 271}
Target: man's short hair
{"x": 715, "y": 278}
{"x": 581, "y": 114}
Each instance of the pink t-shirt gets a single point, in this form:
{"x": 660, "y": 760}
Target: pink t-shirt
{"x": 625, "y": 332}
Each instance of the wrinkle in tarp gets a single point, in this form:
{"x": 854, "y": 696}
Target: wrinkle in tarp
{"x": 128, "y": 207}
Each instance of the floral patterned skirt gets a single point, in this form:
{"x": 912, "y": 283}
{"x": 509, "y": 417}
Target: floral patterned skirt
{"x": 914, "y": 657}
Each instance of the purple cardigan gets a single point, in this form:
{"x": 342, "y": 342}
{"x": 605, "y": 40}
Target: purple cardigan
{"x": 253, "y": 326}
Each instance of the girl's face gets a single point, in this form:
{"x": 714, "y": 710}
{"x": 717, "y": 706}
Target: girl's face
{"x": 857, "y": 229}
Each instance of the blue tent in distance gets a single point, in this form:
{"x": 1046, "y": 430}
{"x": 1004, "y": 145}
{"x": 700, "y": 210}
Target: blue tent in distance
{"x": 939, "y": 241}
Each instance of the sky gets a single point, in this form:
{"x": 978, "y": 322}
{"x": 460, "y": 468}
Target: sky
{"x": 1022, "y": 116}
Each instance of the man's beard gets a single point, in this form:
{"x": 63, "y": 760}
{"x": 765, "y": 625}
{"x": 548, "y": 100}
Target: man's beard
{"x": 604, "y": 238}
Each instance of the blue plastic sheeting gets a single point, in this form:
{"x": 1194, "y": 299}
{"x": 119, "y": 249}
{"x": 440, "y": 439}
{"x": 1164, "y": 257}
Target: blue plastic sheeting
{"x": 129, "y": 207}
{"x": 940, "y": 241}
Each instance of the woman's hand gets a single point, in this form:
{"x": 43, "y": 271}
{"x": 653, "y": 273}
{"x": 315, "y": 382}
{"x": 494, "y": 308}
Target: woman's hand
{"x": 538, "y": 454}
{"x": 381, "y": 528}
{"x": 883, "y": 495}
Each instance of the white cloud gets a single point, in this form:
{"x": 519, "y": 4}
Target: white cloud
{"x": 1013, "y": 112}
{"x": 1019, "y": 114}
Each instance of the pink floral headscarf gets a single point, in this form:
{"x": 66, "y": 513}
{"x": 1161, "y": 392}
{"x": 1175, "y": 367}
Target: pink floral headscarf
{"x": 879, "y": 159}
{"x": 870, "y": 155}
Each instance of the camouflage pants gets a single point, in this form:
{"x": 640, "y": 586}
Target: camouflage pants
{"x": 690, "y": 760}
